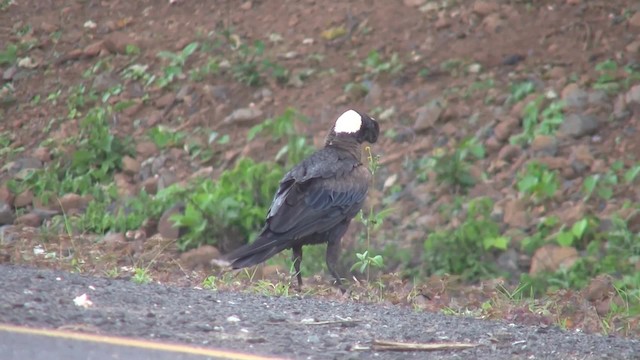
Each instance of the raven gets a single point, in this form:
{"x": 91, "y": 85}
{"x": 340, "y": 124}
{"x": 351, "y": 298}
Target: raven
{"x": 317, "y": 198}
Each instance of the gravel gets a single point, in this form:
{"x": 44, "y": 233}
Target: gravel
{"x": 280, "y": 326}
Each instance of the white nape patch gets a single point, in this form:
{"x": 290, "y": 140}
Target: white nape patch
{"x": 349, "y": 122}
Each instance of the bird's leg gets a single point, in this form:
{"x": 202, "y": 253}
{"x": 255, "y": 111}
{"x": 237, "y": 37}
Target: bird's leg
{"x": 296, "y": 257}
{"x": 333, "y": 253}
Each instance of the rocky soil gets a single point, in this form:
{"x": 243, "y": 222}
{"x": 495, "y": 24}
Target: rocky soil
{"x": 434, "y": 73}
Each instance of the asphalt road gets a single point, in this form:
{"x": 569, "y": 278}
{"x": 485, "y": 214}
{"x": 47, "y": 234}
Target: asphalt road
{"x": 281, "y": 327}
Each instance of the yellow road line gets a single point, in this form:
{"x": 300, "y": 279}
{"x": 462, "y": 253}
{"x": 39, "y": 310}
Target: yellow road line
{"x": 144, "y": 344}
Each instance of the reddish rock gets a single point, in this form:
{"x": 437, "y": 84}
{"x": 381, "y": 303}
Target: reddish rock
{"x": 6, "y": 195}
{"x": 550, "y": 258}
{"x": 166, "y": 227}
{"x": 30, "y": 219}
{"x": 71, "y": 202}
{"x": 515, "y": 213}
{"x": 199, "y": 258}
{"x": 23, "y": 199}
{"x": 117, "y": 42}
{"x": 484, "y": 8}
{"x": 130, "y": 166}
{"x": 506, "y": 128}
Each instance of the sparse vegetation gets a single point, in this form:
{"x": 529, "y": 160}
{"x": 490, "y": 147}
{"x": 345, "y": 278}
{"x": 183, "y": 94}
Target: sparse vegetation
{"x": 465, "y": 250}
{"x": 72, "y": 114}
{"x": 453, "y": 167}
{"x": 538, "y": 182}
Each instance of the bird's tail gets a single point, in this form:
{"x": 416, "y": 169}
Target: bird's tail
{"x": 263, "y": 248}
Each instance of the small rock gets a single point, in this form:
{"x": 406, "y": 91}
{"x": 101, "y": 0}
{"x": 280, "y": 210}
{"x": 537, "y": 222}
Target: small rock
{"x": 105, "y": 81}
{"x": 553, "y": 163}
{"x": 6, "y": 214}
{"x": 114, "y": 238}
{"x": 218, "y": 92}
{"x": 30, "y": 219}
{"x": 518, "y": 108}
{"x": 414, "y": 3}
{"x": 93, "y": 49}
{"x": 8, "y": 234}
{"x": 150, "y": 185}
{"x": 599, "y": 288}
{"x": 45, "y": 214}
{"x": 9, "y": 73}
{"x": 26, "y": 163}
{"x": 513, "y": 59}
{"x": 154, "y": 118}
{"x": 72, "y": 202}
{"x": 557, "y": 72}
{"x": 492, "y": 144}
{"x": 509, "y": 261}
{"x": 117, "y": 42}
{"x": 263, "y": 94}
{"x": 493, "y": 23}
{"x": 633, "y": 47}
{"x": 515, "y": 214}
{"x": 574, "y": 96}
{"x": 598, "y": 97}
{"x": 23, "y": 199}
{"x": 146, "y": 149}
{"x": 509, "y": 152}
{"x": 130, "y": 166}
{"x": 124, "y": 185}
{"x": 372, "y": 98}
{"x": 244, "y": 115}
{"x": 505, "y": 128}
{"x": 550, "y": 258}
{"x": 199, "y": 258}
{"x": 164, "y": 101}
{"x": 449, "y": 129}
{"x": 427, "y": 116}
{"x": 633, "y": 95}
{"x": 166, "y": 178}
{"x": 620, "y": 111}
{"x": 578, "y": 125}
{"x": 166, "y": 227}
{"x": 569, "y": 213}
{"x": 635, "y": 19}
{"x": 581, "y": 158}
{"x": 442, "y": 23}
{"x": 43, "y": 154}
{"x": 387, "y": 113}
{"x": 6, "y": 195}
{"x": 484, "y": 8}
{"x": 545, "y": 145}
{"x": 247, "y": 5}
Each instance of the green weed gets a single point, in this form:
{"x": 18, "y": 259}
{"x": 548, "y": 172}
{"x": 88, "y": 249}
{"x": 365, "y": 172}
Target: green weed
{"x": 453, "y": 167}
{"x": 177, "y": 61}
{"x": 538, "y": 182}
{"x": 466, "y": 250}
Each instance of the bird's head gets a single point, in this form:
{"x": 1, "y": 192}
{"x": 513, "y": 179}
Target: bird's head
{"x": 358, "y": 125}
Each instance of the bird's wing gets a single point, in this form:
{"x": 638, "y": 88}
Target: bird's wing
{"x": 317, "y": 203}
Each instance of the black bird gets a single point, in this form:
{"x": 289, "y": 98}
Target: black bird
{"x": 317, "y": 198}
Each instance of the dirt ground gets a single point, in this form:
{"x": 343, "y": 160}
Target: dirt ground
{"x": 444, "y": 48}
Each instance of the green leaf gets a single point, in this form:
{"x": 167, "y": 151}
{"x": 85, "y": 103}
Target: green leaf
{"x": 589, "y": 185}
{"x": 527, "y": 183}
{"x": 565, "y": 238}
{"x": 631, "y": 174}
{"x": 579, "y": 228}
{"x": 189, "y": 49}
{"x": 377, "y": 261}
{"x": 498, "y": 242}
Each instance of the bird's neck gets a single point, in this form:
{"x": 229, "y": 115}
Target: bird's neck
{"x": 347, "y": 145}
